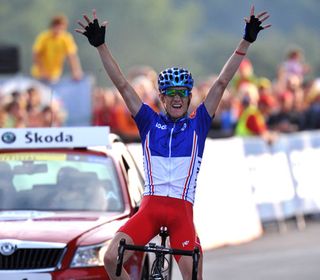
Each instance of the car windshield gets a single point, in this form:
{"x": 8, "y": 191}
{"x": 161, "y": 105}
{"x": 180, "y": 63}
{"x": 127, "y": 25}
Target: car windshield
{"x": 58, "y": 181}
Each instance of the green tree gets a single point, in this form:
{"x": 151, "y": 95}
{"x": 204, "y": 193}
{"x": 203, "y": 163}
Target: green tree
{"x": 199, "y": 35}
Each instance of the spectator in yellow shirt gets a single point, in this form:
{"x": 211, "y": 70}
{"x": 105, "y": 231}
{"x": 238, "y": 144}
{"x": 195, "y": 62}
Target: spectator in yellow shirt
{"x": 51, "y": 48}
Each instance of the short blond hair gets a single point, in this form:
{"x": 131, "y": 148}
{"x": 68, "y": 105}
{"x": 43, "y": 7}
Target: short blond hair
{"x": 59, "y": 20}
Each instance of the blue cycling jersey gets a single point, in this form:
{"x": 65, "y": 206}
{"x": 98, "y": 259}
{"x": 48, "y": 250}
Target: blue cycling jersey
{"x": 172, "y": 151}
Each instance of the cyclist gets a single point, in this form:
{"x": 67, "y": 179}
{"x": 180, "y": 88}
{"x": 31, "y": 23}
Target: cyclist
{"x": 173, "y": 145}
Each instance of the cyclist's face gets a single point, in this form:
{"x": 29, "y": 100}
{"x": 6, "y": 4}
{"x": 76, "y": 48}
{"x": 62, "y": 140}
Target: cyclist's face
{"x": 176, "y": 105}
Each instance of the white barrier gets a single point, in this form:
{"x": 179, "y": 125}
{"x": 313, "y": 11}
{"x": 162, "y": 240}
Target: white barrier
{"x": 292, "y": 177}
{"x": 224, "y": 210}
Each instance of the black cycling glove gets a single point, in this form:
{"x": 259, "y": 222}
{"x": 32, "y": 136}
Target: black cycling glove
{"x": 252, "y": 29}
{"x": 95, "y": 33}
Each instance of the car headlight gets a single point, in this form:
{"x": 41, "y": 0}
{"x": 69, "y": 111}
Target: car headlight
{"x": 90, "y": 255}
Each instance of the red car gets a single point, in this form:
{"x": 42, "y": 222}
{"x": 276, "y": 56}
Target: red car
{"x": 64, "y": 192}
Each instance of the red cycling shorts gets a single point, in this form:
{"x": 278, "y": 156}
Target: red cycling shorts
{"x": 157, "y": 211}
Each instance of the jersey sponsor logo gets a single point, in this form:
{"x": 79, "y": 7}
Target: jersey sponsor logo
{"x": 184, "y": 127}
{"x": 185, "y": 243}
{"x": 163, "y": 127}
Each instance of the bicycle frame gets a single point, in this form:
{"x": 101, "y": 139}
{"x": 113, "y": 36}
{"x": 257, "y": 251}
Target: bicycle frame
{"x": 160, "y": 251}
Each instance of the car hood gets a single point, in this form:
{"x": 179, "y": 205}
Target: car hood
{"x": 52, "y": 226}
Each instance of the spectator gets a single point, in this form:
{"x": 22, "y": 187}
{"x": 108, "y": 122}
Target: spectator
{"x": 33, "y": 107}
{"x": 16, "y": 115}
{"x": 145, "y": 71}
{"x": 294, "y": 65}
{"x": 264, "y": 87}
{"x": 244, "y": 75}
{"x": 50, "y": 50}
{"x": 266, "y": 105}
{"x": 313, "y": 112}
{"x": 286, "y": 119}
{"x": 252, "y": 121}
{"x": 267, "y": 101}
{"x": 3, "y": 117}
{"x": 78, "y": 190}
{"x": 67, "y": 195}
{"x": 125, "y": 125}
{"x": 147, "y": 92}
{"x": 52, "y": 115}
{"x": 103, "y": 104}
{"x": 200, "y": 92}
{"x": 227, "y": 116}
{"x": 33, "y": 98}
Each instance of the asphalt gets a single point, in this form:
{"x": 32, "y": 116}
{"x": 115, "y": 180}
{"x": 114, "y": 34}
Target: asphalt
{"x": 291, "y": 254}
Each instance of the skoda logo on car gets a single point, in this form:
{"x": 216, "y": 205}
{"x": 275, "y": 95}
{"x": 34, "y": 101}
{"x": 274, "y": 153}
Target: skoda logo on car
{"x": 7, "y": 248}
{"x": 8, "y": 137}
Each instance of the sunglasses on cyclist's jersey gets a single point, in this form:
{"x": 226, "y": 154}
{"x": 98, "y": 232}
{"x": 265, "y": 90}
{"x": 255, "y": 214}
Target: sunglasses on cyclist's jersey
{"x": 173, "y": 92}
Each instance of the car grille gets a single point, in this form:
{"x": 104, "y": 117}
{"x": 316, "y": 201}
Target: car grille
{"x": 36, "y": 258}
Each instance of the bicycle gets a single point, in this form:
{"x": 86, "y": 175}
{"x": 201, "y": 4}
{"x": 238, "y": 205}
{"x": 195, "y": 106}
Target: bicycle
{"x": 159, "y": 270}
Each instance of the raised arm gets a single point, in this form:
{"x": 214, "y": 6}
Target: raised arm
{"x": 75, "y": 66}
{"x": 253, "y": 26}
{"x": 96, "y": 36}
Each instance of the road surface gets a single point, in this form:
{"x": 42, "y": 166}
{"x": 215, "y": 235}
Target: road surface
{"x": 293, "y": 255}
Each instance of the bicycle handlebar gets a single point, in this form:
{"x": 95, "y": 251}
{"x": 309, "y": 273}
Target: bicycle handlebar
{"x": 121, "y": 249}
{"x": 152, "y": 247}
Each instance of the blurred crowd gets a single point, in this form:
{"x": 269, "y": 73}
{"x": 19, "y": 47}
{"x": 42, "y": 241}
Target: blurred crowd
{"x": 27, "y": 109}
{"x": 251, "y": 105}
